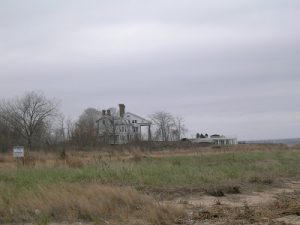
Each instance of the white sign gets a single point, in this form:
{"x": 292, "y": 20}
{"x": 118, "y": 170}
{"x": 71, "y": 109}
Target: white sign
{"x": 18, "y": 151}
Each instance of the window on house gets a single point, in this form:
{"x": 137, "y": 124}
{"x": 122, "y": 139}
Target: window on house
{"x": 135, "y": 121}
{"x": 103, "y": 121}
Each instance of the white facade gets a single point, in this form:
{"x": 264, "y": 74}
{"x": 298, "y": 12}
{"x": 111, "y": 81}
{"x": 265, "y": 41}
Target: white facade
{"x": 121, "y": 127}
{"x": 224, "y": 141}
{"x": 217, "y": 140}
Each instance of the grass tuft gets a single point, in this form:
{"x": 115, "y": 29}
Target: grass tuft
{"x": 84, "y": 202}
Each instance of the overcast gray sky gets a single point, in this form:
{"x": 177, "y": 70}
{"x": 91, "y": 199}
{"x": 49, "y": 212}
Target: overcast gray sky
{"x": 230, "y": 67}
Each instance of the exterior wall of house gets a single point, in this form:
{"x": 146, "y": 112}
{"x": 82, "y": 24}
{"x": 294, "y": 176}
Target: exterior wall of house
{"x": 138, "y": 122}
{"x": 115, "y": 129}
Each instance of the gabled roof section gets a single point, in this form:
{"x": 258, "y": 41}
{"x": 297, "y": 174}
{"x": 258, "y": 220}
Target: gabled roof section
{"x": 145, "y": 120}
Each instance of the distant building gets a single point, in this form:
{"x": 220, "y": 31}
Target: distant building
{"x": 221, "y": 140}
{"x": 121, "y": 127}
{"x": 215, "y": 139}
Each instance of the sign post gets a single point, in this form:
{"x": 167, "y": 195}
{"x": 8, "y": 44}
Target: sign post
{"x": 18, "y": 153}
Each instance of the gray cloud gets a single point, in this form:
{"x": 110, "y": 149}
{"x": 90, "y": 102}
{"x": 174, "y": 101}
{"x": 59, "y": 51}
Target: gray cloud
{"x": 230, "y": 67}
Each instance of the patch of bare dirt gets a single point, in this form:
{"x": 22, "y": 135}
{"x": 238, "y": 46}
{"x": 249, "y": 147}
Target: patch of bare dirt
{"x": 292, "y": 219}
{"x": 276, "y": 206}
{"x": 236, "y": 200}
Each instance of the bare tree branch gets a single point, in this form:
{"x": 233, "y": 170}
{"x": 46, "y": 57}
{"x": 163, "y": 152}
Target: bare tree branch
{"x": 29, "y": 114}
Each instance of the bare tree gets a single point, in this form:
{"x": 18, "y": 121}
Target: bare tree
{"x": 61, "y": 127}
{"x": 164, "y": 123}
{"x": 29, "y": 115}
{"x": 70, "y": 128}
{"x": 6, "y": 135}
{"x": 57, "y": 131}
{"x": 86, "y": 129}
{"x": 88, "y": 117}
{"x": 180, "y": 128}
{"x": 168, "y": 127}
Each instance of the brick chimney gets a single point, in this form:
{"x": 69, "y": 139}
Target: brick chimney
{"x": 103, "y": 112}
{"x": 122, "y": 110}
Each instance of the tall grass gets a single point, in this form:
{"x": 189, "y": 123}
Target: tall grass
{"x": 173, "y": 171}
{"x": 91, "y": 202}
{"x": 101, "y": 190}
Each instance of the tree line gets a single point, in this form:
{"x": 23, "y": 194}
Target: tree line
{"x": 35, "y": 121}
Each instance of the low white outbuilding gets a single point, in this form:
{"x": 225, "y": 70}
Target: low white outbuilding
{"x": 217, "y": 140}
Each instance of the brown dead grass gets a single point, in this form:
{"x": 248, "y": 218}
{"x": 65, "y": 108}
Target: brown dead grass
{"x": 91, "y": 202}
{"x": 6, "y": 158}
{"x": 77, "y": 159}
{"x": 296, "y": 146}
{"x": 74, "y": 162}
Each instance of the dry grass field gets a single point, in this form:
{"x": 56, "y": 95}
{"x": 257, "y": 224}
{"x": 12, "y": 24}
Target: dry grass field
{"x": 244, "y": 184}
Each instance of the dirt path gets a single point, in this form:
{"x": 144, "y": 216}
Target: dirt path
{"x": 204, "y": 209}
